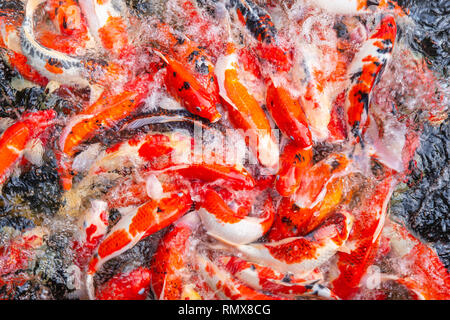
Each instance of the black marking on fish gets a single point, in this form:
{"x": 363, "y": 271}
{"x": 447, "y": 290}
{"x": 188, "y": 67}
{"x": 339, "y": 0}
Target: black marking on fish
{"x": 257, "y": 20}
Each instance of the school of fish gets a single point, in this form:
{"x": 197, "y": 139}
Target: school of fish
{"x": 290, "y": 77}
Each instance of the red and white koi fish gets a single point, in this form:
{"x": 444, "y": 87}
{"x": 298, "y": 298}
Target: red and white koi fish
{"x": 61, "y": 67}
{"x": 244, "y": 111}
{"x": 294, "y": 162}
{"x": 169, "y": 153}
{"x": 49, "y": 63}
{"x": 137, "y": 224}
{"x": 72, "y": 31}
{"x": 288, "y": 115}
{"x": 224, "y": 284}
{"x": 15, "y": 139}
{"x": 131, "y": 285}
{"x": 156, "y": 151}
{"x": 353, "y": 7}
{"x": 266, "y": 279}
{"x": 419, "y": 268}
{"x": 363, "y": 240}
{"x": 169, "y": 265}
{"x": 364, "y": 73}
{"x": 301, "y": 255}
{"x": 221, "y": 222}
{"x": 107, "y": 24}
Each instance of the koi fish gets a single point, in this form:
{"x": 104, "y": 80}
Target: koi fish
{"x": 66, "y": 16}
{"x": 293, "y": 220}
{"x": 106, "y": 23}
{"x": 294, "y": 162}
{"x": 93, "y": 226}
{"x": 288, "y": 115}
{"x": 13, "y": 55}
{"x": 60, "y": 67}
{"x": 363, "y": 240}
{"x": 365, "y": 72}
{"x": 72, "y": 32}
{"x": 266, "y": 279}
{"x": 184, "y": 86}
{"x": 224, "y": 284}
{"x": 258, "y": 21}
{"x": 420, "y": 270}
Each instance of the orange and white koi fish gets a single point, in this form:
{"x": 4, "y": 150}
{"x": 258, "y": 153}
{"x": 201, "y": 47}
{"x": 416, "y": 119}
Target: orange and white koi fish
{"x": 365, "y": 72}
{"x": 419, "y": 269}
{"x": 221, "y": 222}
{"x": 106, "y": 22}
{"x": 363, "y": 240}
{"x": 10, "y": 41}
{"x": 224, "y": 284}
{"x": 135, "y": 225}
{"x": 17, "y": 137}
{"x": 169, "y": 265}
{"x": 301, "y": 255}
{"x": 244, "y": 111}
{"x": 266, "y": 279}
